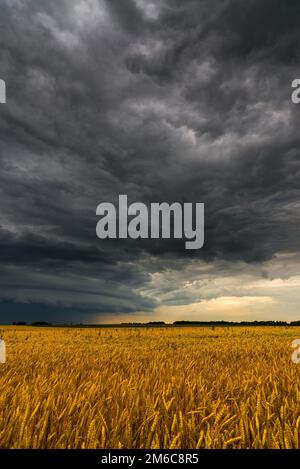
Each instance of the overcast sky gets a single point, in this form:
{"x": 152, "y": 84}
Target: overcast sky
{"x": 164, "y": 101}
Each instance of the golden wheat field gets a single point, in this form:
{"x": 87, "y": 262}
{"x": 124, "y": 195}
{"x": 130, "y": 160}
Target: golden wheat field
{"x": 180, "y": 387}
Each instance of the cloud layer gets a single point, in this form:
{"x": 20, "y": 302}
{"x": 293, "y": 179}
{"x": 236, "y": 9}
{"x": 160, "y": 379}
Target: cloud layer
{"x": 163, "y": 101}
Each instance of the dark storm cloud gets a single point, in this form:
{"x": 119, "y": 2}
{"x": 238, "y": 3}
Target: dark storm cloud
{"x": 163, "y": 101}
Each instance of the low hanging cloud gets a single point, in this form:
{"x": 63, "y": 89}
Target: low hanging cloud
{"x": 163, "y": 101}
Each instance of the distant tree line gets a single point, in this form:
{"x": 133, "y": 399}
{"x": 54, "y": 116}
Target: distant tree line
{"x": 162, "y": 323}
{"x": 235, "y": 323}
{"x": 38, "y": 323}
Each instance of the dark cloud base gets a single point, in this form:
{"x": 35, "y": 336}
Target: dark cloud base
{"x": 164, "y": 101}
